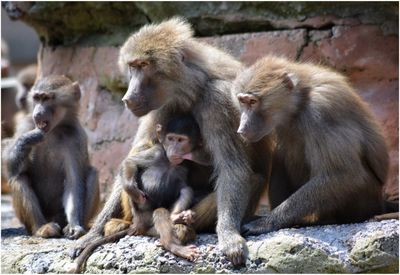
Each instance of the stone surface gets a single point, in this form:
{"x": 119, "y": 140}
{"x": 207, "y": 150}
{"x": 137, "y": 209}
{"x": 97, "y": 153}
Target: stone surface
{"x": 353, "y": 248}
{"x": 108, "y": 23}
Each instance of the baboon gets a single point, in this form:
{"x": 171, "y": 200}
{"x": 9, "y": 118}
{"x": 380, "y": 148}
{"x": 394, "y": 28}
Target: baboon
{"x": 26, "y": 78}
{"x": 330, "y": 161}
{"x": 161, "y": 184}
{"x": 53, "y": 184}
{"x": 170, "y": 71}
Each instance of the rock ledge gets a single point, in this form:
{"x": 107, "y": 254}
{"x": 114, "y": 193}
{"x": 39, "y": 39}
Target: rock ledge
{"x": 352, "y": 248}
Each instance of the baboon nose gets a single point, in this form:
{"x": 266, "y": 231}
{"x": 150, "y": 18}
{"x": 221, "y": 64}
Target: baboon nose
{"x": 127, "y": 101}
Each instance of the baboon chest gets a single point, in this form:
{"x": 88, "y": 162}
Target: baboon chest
{"x": 48, "y": 167}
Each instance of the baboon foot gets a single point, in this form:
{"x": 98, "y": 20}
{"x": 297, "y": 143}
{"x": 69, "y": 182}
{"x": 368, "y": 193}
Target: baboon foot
{"x": 49, "y": 230}
{"x": 189, "y": 252}
{"x": 257, "y": 227}
{"x": 74, "y": 232}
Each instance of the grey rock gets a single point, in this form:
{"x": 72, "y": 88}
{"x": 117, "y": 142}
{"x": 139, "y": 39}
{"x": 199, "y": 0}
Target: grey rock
{"x": 109, "y": 23}
{"x": 351, "y": 248}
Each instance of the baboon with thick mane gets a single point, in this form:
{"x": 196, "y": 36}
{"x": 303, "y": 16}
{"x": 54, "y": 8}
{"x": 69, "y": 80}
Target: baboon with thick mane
{"x": 170, "y": 71}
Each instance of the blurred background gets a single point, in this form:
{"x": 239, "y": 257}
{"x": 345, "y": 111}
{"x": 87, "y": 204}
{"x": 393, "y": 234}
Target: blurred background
{"x": 81, "y": 40}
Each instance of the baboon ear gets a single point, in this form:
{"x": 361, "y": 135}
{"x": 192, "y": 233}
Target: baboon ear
{"x": 159, "y": 132}
{"x": 291, "y": 80}
{"x": 76, "y": 90}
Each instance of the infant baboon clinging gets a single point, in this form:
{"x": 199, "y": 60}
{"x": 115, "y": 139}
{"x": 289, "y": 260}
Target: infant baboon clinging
{"x": 170, "y": 71}
{"x": 331, "y": 159}
{"x": 161, "y": 184}
{"x": 53, "y": 185}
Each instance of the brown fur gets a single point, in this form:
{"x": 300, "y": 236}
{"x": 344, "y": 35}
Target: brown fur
{"x": 331, "y": 159}
{"x": 47, "y": 162}
{"x": 190, "y": 76}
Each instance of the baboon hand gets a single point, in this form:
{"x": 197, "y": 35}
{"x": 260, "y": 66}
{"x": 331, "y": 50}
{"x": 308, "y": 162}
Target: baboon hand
{"x": 32, "y": 137}
{"x": 257, "y": 227}
{"x": 73, "y": 231}
{"x": 185, "y": 217}
{"x": 234, "y": 247}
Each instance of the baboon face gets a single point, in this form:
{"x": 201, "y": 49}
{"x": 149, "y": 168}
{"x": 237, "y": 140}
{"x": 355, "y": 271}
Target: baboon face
{"x": 177, "y": 146}
{"x": 264, "y": 98}
{"x": 146, "y": 91}
{"x": 52, "y": 98}
{"x": 21, "y": 98}
{"x": 254, "y": 124}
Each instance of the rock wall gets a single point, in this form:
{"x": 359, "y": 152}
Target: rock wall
{"x": 81, "y": 40}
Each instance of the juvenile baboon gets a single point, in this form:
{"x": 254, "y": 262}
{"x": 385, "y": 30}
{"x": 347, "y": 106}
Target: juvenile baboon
{"x": 53, "y": 185}
{"x": 330, "y": 161}
{"x": 170, "y": 71}
{"x": 161, "y": 184}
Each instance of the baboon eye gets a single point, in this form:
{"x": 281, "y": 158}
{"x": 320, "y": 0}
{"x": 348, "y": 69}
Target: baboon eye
{"x": 36, "y": 97}
{"x": 252, "y": 101}
{"x": 144, "y": 64}
{"x": 180, "y": 139}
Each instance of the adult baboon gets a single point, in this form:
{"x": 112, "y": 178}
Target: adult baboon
{"x": 331, "y": 160}
{"x": 53, "y": 185}
{"x": 170, "y": 71}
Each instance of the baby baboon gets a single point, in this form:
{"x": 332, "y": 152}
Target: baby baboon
{"x": 53, "y": 185}
{"x": 161, "y": 184}
{"x": 170, "y": 71}
{"x": 331, "y": 159}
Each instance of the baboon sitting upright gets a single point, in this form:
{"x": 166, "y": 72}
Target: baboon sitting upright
{"x": 170, "y": 71}
{"x": 53, "y": 184}
{"x": 331, "y": 160}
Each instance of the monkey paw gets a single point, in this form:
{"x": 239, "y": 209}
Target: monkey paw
{"x": 234, "y": 247}
{"x": 49, "y": 230}
{"x": 33, "y": 137}
{"x": 190, "y": 252}
{"x": 184, "y": 217}
{"x": 73, "y": 231}
{"x": 257, "y": 227}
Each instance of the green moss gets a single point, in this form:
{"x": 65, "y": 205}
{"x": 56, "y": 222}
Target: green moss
{"x": 116, "y": 86}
